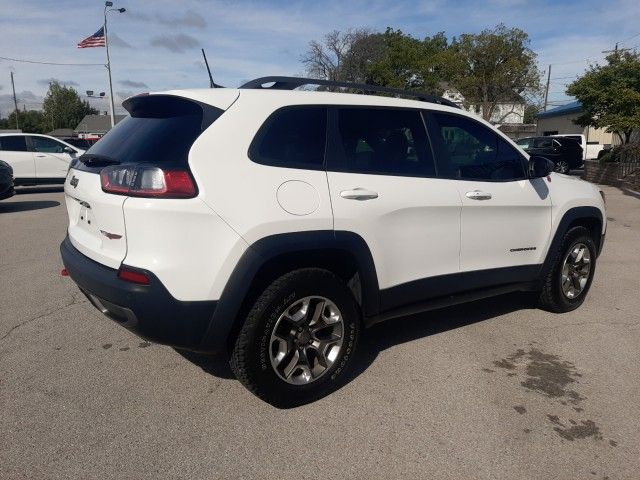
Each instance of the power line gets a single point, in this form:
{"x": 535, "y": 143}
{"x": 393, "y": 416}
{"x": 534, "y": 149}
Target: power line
{"x": 629, "y": 38}
{"x": 53, "y": 63}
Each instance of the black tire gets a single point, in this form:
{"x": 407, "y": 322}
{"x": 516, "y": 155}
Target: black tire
{"x": 250, "y": 358}
{"x": 552, "y": 297}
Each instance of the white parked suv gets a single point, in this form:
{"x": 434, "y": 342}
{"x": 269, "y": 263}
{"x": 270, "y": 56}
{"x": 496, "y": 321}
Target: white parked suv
{"x": 275, "y": 224}
{"x": 37, "y": 159}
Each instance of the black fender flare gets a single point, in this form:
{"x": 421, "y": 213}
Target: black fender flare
{"x": 259, "y": 253}
{"x": 570, "y": 217}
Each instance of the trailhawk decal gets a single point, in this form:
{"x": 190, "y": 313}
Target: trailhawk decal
{"x": 522, "y": 249}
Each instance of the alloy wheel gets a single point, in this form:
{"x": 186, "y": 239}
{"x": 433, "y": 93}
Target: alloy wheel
{"x": 576, "y": 269}
{"x": 306, "y": 340}
{"x": 562, "y": 166}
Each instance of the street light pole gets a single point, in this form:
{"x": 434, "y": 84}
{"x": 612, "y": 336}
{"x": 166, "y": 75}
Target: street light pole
{"x": 106, "y": 42}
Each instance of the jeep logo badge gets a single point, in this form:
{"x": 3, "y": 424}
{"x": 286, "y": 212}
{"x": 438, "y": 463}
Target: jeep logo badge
{"x": 74, "y": 181}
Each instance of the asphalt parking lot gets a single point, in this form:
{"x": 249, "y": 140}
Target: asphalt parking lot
{"x": 491, "y": 390}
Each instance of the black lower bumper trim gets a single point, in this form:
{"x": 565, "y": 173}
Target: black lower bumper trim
{"x": 148, "y": 310}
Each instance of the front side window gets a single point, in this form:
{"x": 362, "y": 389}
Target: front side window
{"x": 292, "y": 137}
{"x": 13, "y": 144}
{"x": 46, "y": 145}
{"x": 469, "y": 150}
{"x": 384, "y": 141}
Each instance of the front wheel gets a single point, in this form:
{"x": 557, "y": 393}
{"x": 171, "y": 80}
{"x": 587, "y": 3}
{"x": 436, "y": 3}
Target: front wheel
{"x": 298, "y": 339}
{"x": 571, "y": 273}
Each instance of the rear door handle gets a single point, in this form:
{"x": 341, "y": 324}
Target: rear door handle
{"x": 478, "y": 195}
{"x": 358, "y": 194}
{"x": 40, "y": 156}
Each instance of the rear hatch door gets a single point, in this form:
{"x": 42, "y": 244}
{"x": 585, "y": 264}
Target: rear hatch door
{"x": 96, "y": 221}
{"x": 158, "y": 132}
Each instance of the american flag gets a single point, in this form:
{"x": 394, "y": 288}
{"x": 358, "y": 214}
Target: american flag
{"x": 95, "y": 40}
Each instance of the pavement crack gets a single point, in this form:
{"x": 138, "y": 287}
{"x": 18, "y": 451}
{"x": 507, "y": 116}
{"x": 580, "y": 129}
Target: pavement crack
{"x": 74, "y": 301}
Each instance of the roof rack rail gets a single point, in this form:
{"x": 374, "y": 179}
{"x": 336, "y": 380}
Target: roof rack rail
{"x": 290, "y": 83}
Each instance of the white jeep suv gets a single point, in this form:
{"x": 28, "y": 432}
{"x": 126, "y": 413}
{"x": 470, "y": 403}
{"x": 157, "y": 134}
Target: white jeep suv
{"x": 274, "y": 224}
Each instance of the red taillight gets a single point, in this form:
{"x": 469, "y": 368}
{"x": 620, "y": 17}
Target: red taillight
{"x": 148, "y": 181}
{"x": 64, "y": 272}
{"x": 133, "y": 276}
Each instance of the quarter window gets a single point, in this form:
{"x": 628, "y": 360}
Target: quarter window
{"x": 292, "y": 137}
{"x": 13, "y": 144}
{"x": 469, "y": 150}
{"x": 384, "y": 141}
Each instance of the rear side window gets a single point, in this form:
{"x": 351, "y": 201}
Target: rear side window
{"x": 469, "y": 150}
{"x": 13, "y": 144}
{"x": 384, "y": 141}
{"x": 525, "y": 142}
{"x": 159, "y": 131}
{"x": 545, "y": 142}
{"x": 293, "y": 137}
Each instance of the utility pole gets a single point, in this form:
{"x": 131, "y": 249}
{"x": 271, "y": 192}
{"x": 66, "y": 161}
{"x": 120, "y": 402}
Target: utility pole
{"x": 616, "y": 49}
{"x": 15, "y": 102}
{"x": 546, "y": 90}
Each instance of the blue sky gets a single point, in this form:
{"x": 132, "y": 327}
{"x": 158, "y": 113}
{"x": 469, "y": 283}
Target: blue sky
{"x": 156, "y": 44}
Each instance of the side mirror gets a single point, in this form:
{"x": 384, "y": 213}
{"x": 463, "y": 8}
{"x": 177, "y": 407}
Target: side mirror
{"x": 69, "y": 150}
{"x": 539, "y": 166}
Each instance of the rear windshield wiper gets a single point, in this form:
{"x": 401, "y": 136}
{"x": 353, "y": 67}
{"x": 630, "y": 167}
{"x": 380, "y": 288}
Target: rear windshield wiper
{"x": 93, "y": 160}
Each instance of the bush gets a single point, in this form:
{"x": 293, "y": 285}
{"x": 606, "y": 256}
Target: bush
{"x": 606, "y": 156}
{"x": 622, "y": 153}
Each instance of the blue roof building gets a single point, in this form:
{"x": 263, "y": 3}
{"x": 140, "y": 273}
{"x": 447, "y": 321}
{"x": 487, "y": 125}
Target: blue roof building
{"x": 573, "y": 107}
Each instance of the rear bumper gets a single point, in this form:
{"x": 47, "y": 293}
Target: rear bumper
{"x": 148, "y": 310}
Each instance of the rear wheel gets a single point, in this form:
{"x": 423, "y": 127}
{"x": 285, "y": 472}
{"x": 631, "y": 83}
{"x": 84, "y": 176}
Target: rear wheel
{"x": 571, "y": 274}
{"x": 298, "y": 339}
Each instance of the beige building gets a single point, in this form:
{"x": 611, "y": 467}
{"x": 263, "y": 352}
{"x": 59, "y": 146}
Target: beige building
{"x": 560, "y": 120}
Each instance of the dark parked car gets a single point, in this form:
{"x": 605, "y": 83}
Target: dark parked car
{"x": 6, "y": 180}
{"x": 564, "y": 152}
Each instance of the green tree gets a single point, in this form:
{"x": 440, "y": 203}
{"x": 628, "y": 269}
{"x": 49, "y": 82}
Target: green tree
{"x": 63, "y": 107}
{"x": 610, "y": 95}
{"x": 31, "y": 121}
{"x": 531, "y": 111}
{"x": 410, "y": 63}
{"x": 492, "y": 67}
{"x": 392, "y": 58}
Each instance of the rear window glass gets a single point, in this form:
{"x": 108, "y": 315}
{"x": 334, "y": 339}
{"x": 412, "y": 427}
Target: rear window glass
{"x": 159, "y": 130}
{"x": 292, "y": 137}
{"x": 13, "y": 144}
{"x": 384, "y": 141}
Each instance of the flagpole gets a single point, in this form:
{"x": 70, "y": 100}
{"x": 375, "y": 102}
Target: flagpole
{"x": 106, "y": 42}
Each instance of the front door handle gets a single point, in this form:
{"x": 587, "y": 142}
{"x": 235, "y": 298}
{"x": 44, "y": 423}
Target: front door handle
{"x": 40, "y": 156}
{"x": 358, "y": 194}
{"x": 478, "y": 195}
